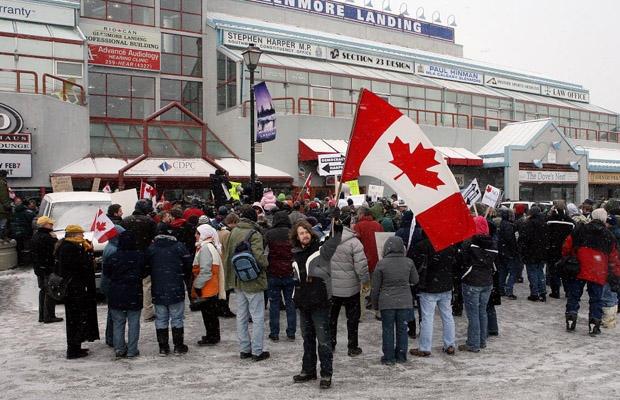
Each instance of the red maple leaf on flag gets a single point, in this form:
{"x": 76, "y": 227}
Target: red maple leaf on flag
{"x": 415, "y": 165}
{"x": 100, "y": 226}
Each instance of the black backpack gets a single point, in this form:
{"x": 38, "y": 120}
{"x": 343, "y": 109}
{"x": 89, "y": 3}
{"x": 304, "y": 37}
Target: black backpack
{"x": 244, "y": 264}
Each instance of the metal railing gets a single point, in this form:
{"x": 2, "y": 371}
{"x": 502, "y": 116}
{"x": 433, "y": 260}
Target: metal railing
{"x": 277, "y": 102}
{"x": 19, "y": 81}
{"x": 64, "y": 89}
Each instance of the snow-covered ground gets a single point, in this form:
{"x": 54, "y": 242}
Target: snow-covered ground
{"x": 532, "y": 358}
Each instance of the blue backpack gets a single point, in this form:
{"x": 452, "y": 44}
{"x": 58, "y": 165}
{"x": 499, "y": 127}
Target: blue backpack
{"x": 244, "y": 264}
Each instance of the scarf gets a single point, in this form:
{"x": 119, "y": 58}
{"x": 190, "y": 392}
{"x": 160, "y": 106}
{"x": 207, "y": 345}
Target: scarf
{"x": 81, "y": 242}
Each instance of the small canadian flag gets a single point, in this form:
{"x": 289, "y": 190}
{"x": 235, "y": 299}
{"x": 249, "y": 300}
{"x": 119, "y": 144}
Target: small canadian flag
{"x": 103, "y": 228}
{"x": 11, "y": 194}
{"x": 147, "y": 191}
{"x": 107, "y": 188}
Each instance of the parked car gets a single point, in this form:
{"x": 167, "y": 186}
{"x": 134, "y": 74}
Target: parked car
{"x": 81, "y": 208}
{"x": 544, "y": 205}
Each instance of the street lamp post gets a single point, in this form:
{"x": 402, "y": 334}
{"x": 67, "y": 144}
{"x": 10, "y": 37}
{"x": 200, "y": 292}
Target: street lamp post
{"x": 251, "y": 56}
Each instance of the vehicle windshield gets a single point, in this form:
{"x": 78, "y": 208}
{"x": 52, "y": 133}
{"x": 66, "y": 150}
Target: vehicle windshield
{"x": 76, "y": 213}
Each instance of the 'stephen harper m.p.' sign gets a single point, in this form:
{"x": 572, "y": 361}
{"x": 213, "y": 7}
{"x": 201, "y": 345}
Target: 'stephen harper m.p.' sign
{"x": 115, "y": 45}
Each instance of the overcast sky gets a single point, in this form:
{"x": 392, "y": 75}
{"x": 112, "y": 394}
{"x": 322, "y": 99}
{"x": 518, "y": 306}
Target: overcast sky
{"x": 569, "y": 40}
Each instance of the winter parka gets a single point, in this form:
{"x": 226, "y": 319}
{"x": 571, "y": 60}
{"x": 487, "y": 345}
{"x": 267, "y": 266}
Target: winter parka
{"x": 436, "y": 269}
{"x": 365, "y": 229}
{"x": 278, "y": 247}
{"x": 559, "y": 226}
{"x": 206, "y": 271}
{"x": 125, "y": 269}
{"x": 595, "y": 247}
{"x": 349, "y": 267}
{"x": 533, "y": 240}
{"x": 393, "y": 278}
{"x": 476, "y": 260}
{"x": 43, "y": 251}
{"x": 170, "y": 266}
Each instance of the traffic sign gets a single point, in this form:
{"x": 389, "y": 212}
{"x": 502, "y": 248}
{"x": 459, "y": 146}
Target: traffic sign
{"x": 330, "y": 164}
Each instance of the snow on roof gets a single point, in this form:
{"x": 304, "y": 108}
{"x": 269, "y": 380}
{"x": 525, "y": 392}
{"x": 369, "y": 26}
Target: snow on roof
{"x": 518, "y": 134}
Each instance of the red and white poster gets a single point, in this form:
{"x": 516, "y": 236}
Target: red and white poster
{"x": 117, "y": 45}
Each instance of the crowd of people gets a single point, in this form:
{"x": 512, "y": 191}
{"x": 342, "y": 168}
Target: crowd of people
{"x": 314, "y": 257}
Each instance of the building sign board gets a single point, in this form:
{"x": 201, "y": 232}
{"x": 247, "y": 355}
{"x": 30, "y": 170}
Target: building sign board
{"x": 364, "y": 15}
{"x": 117, "y": 45}
{"x": 10, "y": 120}
{"x": 566, "y": 94}
{"x": 604, "y": 178}
{"x": 511, "y": 84}
{"x": 548, "y": 176}
{"x": 18, "y": 165}
{"x": 37, "y": 12}
{"x": 182, "y": 167}
{"x": 15, "y": 141}
{"x": 367, "y": 60}
{"x": 273, "y": 44}
{"x": 452, "y": 74}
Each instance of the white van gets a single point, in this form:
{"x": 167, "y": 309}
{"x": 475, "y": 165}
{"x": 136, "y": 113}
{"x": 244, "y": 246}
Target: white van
{"x": 81, "y": 208}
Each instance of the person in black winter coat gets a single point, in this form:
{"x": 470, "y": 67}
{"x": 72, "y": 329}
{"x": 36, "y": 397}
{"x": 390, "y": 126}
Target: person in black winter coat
{"x": 144, "y": 227}
{"x": 560, "y": 225}
{"x": 280, "y": 275}
{"x": 508, "y": 256}
{"x": 75, "y": 263}
{"x": 476, "y": 259}
{"x": 533, "y": 246}
{"x": 170, "y": 266}
{"x": 125, "y": 269}
{"x": 220, "y": 187}
{"x": 43, "y": 242}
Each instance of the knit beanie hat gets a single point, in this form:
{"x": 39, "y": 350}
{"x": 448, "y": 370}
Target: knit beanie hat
{"x": 599, "y": 214}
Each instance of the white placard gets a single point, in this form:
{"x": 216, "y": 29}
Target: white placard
{"x": 491, "y": 196}
{"x": 18, "y": 165}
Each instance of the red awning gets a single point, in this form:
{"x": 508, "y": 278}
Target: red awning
{"x": 459, "y": 156}
{"x": 310, "y": 149}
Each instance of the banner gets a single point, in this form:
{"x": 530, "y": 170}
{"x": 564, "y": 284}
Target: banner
{"x": 492, "y": 196}
{"x": 472, "y": 194}
{"x": 266, "y": 114}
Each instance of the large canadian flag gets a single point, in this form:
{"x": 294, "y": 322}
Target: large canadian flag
{"x": 103, "y": 228}
{"x": 389, "y": 146}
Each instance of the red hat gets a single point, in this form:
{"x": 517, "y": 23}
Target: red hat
{"x": 313, "y": 204}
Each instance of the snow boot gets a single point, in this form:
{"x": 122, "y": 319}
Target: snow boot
{"x": 571, "y": 321}
{"x": 162, "y": 340}
{"x": 595, "y": 326}
{"x": 177, "y": 339}
{"x": 609, "y": 317}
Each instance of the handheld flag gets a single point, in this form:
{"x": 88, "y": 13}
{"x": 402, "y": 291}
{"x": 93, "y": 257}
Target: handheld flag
{"x": 389, "y": 146}
{"x": 106, "y": 188}
{"x": 11, "y": 193}
{"x": 147, "y": 191}
{"x": 103, "y": 228}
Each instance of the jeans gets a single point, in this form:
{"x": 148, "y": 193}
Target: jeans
{"x": 133, "y": 330}
{"x": 575, "y": 290}
{"x": 173, "y": 312}
{"x": 428, "y": 301}
{"x": 475, "y": 299}
{"x": 276, "y": 288}
{"x": 608, "y": 297}
{"x": 352, "y": 308}
{"x": 109, "y": 328}
{"x": 536, "y": 276}
{"x": 314, "y": 326}
{"x": 250, "y": 304}
{"x": 507, "y": 269}
{"x": 398, "y": 318}
{"x": 47, "y": 305}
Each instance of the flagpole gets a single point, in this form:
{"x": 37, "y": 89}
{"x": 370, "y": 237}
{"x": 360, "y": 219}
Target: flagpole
{"x": 344, "y": 166}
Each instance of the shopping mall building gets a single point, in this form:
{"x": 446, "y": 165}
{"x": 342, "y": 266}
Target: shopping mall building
{"x": 157, "y": 90}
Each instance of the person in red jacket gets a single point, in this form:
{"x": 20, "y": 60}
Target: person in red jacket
{"x": 595, "y": 247}
{"x": 365, "y": 229}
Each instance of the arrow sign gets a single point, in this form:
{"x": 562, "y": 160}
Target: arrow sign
{"x": 330, "y": 164}
{"x": 472, "y": 193}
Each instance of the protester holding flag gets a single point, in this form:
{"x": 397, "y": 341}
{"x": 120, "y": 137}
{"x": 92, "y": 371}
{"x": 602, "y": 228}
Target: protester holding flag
{"x": 477, "y": 257}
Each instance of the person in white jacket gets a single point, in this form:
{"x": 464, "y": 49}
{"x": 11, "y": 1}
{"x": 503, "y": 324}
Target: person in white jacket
{"x": 349, "y": 271}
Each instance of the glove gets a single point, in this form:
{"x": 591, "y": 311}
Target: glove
{"x": 366, "y": 286}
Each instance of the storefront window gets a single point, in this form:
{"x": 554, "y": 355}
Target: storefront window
{"x": 226, "y": 82}
{"x": 181, "y": 55}
{"x": 121, "y": 96}
{"x": 188, "y": 93}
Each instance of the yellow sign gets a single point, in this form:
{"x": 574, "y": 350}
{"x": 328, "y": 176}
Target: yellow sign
{"x": 602, "y": 178}
{"x": 355, "y": 187}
